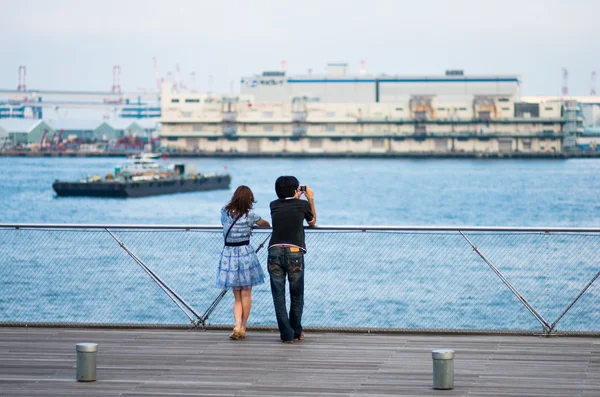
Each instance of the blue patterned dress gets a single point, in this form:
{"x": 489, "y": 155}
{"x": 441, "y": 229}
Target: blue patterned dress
{"x": 239, "y": 267}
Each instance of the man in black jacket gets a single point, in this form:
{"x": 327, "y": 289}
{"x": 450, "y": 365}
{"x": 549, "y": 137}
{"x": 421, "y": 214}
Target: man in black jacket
{"x": 286, "y": 252}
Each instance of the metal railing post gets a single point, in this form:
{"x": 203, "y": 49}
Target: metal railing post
{"x": 166, "y": 289}
{"x": 588, "y": 285}
{"x": 535, "y": 314}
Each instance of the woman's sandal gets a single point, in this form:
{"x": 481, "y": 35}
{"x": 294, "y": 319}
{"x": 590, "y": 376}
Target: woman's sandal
{"x": 235, "y": 335}
{"x": 242, "y": 334}
{"x": 301, "y": 337}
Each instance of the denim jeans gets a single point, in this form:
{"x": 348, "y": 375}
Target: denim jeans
{"x": 282, "y": 262}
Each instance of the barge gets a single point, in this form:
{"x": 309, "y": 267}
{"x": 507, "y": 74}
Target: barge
{"x": 141, "y": 178}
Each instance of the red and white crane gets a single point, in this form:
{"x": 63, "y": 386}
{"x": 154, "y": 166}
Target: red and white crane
{"x": 59, "y": 140}
{"x": 116, "y": 85}
{"x": 43, "y": 140}
{"x": 22, "y": 86}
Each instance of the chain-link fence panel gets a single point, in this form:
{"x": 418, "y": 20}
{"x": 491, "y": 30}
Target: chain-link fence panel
{"x": 354, "y": 279}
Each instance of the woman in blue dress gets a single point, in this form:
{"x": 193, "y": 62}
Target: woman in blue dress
{"x": 239, "y": 268}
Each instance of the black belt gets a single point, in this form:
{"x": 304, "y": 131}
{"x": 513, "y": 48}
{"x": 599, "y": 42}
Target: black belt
{"x": 240, "y": 244}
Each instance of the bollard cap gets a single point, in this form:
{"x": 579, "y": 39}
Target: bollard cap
{"x": 442, "y": 354}
{"x": 87, "y": 347}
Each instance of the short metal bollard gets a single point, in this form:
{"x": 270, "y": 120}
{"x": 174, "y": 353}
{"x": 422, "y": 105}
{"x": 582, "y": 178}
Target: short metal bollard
{"x": 86, "y": 362}
{"x": 443, "y": 369}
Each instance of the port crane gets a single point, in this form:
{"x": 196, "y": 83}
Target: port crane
{"x": 59, "y": 140}
{"x": 43, "y": 140}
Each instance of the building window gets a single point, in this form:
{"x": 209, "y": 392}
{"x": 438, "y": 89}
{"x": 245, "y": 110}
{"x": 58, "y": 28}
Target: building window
{"x": 186, "y": 115}
{"x": 330, "y": 114}
{"x": 175, "y": 100}
{"x": 331, "y": 128}
{"x": 172, "y": 138}
{"x": 549, "y": 108}
{"x": 197, "y": 128}
{"x": 527, "y": 110}
{"x": 503, "y": 100}
{"x": 399, "y": 109}
{"x": 268, "y": 114}
{"x": 441, "y": 108}
{"x": 462, "y": 109}
{"x": 420, "y": 115}
{"x": 191, "y": 100}
{"x": 485, "y": 116}
{"x": 268, "y": 128}
{"x": 506, "y": 109}
{"x": 378, "y": 144}
{"x": 315, "y": 143}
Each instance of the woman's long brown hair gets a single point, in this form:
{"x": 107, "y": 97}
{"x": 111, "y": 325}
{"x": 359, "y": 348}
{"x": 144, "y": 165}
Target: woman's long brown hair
{"x": 241, "y": 202}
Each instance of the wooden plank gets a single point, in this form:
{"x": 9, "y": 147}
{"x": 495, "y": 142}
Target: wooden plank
{"x": 41, "y": 362}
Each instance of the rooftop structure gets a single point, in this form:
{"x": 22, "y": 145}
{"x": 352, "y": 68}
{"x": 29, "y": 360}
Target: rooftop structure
{"x": 585, "y": 100}
{"x": 100, "y": 129}
{"x": 338, "y": 87}
{"x": 84, "y": 129}
{"x": 24, "y": 131}
{"x": 141, "y": 127}
{"x": 21, "y": 125}
{"x": 29, "y": 131}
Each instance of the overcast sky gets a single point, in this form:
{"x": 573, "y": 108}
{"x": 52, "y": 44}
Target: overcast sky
{"x": 69, "y": 44}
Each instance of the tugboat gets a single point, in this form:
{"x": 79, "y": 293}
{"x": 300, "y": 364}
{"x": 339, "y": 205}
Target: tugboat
{"x": 144, "y": 177}
{"x": 146, "y": 156}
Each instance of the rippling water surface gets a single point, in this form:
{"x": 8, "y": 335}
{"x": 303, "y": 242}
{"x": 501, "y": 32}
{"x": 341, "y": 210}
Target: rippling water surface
{"x": 353, "y": 279}
{"x": 347, "y": 191}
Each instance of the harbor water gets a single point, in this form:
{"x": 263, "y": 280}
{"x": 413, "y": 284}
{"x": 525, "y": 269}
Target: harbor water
{"x": 347, "y": 192}
{"x": 353, "y": 279}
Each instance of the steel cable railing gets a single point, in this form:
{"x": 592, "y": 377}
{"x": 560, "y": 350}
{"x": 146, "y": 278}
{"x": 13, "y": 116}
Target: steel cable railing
{"x": 528, "y": 280}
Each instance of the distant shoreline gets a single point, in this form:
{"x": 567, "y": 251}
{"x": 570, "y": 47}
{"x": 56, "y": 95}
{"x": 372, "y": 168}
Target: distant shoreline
{"x": 535, "y": 156}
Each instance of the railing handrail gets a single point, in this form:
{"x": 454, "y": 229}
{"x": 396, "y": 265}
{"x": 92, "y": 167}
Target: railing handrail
{"x": 434, "y": 247}
{"x": 365, "y": 228}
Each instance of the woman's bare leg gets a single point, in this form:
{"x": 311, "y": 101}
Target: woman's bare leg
{"x": 246, "y": 296}
{"x": 237, "y": 307}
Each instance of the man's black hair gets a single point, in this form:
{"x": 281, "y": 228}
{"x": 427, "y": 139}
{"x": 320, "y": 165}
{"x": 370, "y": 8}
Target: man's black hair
{"x": 286, "y": 186}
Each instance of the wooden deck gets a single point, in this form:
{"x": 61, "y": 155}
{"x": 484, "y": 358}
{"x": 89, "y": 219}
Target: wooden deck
{"x": 41, "y": 362}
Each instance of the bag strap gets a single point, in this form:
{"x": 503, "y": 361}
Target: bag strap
{"x": 231, "y": 227}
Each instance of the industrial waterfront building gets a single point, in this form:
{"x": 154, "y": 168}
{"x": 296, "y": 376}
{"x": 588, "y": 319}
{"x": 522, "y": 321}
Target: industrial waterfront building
{"x": 17, "y": 131}
{"x": 341, "y": 114}
{"x": 23, "y": 131}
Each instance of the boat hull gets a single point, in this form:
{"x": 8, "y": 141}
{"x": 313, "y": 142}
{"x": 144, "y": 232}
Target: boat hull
{"x": 141, "y": 189}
